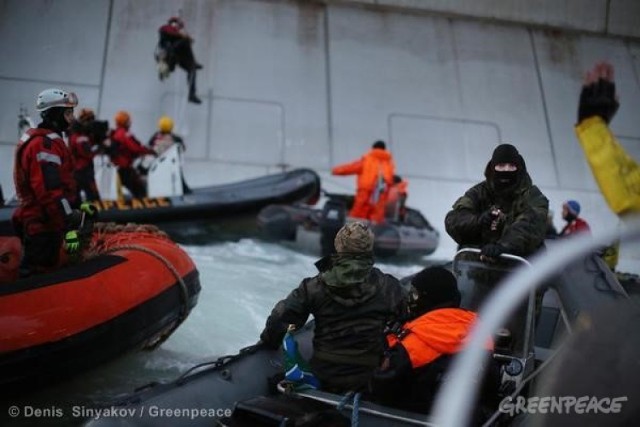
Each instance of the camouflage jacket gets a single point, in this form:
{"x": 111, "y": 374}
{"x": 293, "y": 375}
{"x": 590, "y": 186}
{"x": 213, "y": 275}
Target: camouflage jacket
{"x": 525, "y": 224}
{"x": 351, "y": 302}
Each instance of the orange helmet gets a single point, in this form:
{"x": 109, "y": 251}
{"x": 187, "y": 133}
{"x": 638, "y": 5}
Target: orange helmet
{"x": 86, "y": 115}
{"x": 122, "y": 119}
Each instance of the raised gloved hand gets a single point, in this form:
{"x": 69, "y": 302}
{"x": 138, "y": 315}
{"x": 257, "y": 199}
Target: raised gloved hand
{"x": 598, "y": 95}
{"x": 492, "y": 250}
{"x": 72, "y": 242}
{"x": 89, "y": 210}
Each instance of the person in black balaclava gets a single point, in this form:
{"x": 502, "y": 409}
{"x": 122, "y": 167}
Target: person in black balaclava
{"x": 505, "y": 213}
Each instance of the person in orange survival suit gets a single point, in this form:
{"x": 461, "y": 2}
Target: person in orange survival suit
{"x": 44, "y": 183}
{"x": 375, "y": 172}
{"x": 124, "y": 148}
{"x": 396, "y": 209}
{"x": 419, "y": 351}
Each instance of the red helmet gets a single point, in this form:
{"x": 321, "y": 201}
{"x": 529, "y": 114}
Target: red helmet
{"x": 174, "y": 20}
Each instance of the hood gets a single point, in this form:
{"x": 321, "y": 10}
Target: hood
{"x": 380, "y": 154}
{"x": 444, "y": 330}
{"x": 346, "y": 278}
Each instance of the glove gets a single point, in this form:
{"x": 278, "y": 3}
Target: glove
{"x": 486, "y": 217}
{"x": 492, "y": 250}
{"x": 72, "y": 242}
{"x": 89, "y": 210}
{"x": 598, "y": 95}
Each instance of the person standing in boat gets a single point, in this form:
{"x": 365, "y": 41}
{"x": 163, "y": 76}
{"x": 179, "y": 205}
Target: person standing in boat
{"x": 575, "y": 224}
{"x": 164, "y": 138}
{"x": 44, "y": 184}
{"x": 83, "y": 149}
{"x": 375, "y": 172}
{"x": 351, "y": 302}
{"x": 505, "y": 213}
{"x": 123, "y": 149}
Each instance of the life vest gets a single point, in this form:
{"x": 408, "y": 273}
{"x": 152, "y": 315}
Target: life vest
{"x": 435, "y": 333}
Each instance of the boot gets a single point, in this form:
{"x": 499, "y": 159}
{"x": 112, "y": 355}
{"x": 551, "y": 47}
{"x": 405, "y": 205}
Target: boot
{"x": 191, "y": 77}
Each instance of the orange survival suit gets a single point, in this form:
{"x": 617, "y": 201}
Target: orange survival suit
{"x": 375, "y": 172}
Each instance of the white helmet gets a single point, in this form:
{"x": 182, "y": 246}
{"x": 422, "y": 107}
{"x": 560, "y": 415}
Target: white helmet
{"x": 50, "y": 98}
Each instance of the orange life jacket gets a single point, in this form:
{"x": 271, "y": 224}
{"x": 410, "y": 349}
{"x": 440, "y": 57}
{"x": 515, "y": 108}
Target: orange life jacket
{"x": 435, "y": 333}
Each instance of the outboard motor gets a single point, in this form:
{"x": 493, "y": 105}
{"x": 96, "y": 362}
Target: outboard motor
{"x": 333, "y": 217}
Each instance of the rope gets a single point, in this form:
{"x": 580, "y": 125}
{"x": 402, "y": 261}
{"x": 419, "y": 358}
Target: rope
{"x": 184, "y": 292}
{"x": 120, "y": 234}
{"x": 355, "y": 408}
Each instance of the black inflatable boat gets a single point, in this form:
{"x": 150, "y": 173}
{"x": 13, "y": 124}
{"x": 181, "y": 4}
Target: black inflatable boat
{"x": 311, "y": 230}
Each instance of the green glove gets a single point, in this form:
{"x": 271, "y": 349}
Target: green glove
{"x": 88, "y": 209}
{"x": 72, "y": 242}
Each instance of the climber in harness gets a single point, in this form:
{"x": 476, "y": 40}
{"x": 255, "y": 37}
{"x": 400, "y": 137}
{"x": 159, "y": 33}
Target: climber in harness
{"x": 174, "y": 48}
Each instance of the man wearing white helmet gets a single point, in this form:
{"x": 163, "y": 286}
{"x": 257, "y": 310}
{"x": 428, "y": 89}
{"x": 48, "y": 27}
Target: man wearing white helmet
{"x": 46, "y": 190}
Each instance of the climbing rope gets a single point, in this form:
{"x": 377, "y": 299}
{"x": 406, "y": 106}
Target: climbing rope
{"x": 109, "y": 237}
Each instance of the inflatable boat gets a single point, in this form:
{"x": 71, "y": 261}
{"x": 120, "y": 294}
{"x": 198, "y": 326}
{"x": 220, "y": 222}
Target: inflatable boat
{"x": 312, "y": 230}
{"x": 132, "y": 289}
{"x": 243, "y": 389}
{"x": 168, "y": 204}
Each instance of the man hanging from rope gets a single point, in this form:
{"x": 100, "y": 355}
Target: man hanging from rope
{"x": 174, "y": 48}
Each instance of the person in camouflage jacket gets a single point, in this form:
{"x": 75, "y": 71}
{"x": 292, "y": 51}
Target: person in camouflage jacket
{"x": 506, "y": 213}
{"x": 351, "y": 302}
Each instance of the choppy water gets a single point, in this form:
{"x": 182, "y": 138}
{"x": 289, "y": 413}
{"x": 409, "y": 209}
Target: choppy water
{"x": 241, "y": 281}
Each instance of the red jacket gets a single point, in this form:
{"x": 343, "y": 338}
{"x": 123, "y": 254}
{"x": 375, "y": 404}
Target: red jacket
{"x": 125, "y": 148}
{"x": 373, "y": 165}
{"x": 82, "y": 150}
{"x": 578, "y": 225}
{"x": 43, "y": 177}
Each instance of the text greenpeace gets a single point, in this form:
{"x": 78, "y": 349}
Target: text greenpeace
{"x": 562, "y": 405}
{"x": 150, "y": 411}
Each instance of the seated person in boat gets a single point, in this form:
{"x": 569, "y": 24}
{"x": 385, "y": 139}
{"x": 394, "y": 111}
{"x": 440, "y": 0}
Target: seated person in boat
{"x": 420, "y": 350}
{"x": 375, "y": 176}
{"x": 351, "y": 301}
{"x": 505, "y": 213}
{"x": 123, "y": 149}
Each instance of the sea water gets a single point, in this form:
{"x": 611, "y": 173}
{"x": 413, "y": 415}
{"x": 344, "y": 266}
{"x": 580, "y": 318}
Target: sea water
{"x": 241, "y": 282}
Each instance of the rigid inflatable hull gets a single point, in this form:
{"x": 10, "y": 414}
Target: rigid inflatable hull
{"x": 55, "y": 325}
{"x": 221, "y": 201}
{"x": 301, "y": 227}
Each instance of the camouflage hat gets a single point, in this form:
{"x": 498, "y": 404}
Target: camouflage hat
{"x": 354, "y": 237}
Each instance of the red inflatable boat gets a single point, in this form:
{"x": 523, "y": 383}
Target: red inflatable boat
{"x": 132, "y": 289}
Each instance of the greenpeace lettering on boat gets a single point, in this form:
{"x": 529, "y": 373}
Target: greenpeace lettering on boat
{"x": 144, "y": 203}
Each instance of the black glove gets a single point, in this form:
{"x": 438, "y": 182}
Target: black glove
{"x": 486, "y": 218}
{"x": 492, "y": 250}
{"x": 598, "y": 99}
